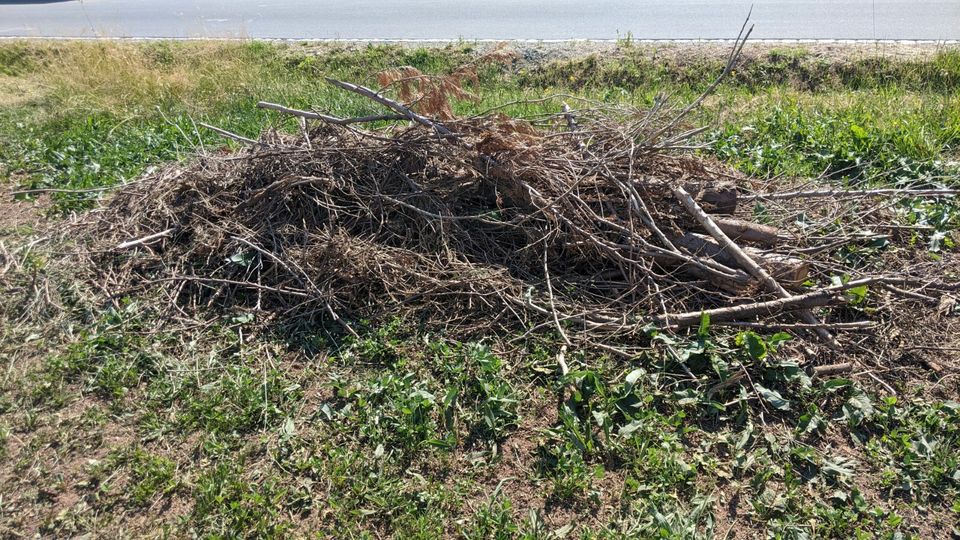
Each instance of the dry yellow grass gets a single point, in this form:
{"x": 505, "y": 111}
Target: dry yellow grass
{"x": 112, "y": 76}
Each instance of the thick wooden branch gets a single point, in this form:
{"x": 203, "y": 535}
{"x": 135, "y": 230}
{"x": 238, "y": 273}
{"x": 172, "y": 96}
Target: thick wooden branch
{"x": 822, "y": 297}
{"x": 786, "y": 269}
{"x": 750, "y": 232}
{"x": 745, "y": 261}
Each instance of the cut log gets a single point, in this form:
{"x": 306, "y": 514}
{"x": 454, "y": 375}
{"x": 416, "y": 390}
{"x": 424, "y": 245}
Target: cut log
{"x": 718, "y": 199}
{"x": 738, "y": 284}
{"x": 746, "y": 262}
{"x": 789, "y": 271}
{"x": 750, "y": 232}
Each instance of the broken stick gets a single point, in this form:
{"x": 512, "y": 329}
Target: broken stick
{"x": 144, "y": 240}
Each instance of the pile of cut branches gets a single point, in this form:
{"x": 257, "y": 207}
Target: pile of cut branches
{"x": 590, "y": 223}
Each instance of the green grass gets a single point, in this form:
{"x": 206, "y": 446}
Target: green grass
{"x": 117, "y": 420}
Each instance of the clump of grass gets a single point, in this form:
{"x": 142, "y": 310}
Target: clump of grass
{"x": 229, "y": 505}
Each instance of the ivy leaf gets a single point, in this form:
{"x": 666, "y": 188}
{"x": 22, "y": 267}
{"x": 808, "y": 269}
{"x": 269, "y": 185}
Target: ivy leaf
{"x": 773, "y": 398}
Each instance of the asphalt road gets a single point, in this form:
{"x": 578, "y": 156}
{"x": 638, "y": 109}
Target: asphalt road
{"x": 482, "y": 19}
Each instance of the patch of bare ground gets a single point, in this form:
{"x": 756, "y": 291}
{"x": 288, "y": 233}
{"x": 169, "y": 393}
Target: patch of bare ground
{"x": 732, "y": 514}
{"x": 46, "y": 475}
{"x": 17, "y": 216}
{"x": 516, "y": 477}
{"x": 516, "y": 473}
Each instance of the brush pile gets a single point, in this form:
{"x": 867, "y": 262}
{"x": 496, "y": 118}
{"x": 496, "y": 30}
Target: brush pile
{"x": 588, "y": 223}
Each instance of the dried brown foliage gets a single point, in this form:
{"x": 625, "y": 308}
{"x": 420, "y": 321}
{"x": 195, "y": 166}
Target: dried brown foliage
{"x": 431, "y": 95}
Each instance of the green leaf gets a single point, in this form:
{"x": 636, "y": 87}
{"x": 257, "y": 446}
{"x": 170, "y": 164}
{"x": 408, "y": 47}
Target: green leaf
{"x": 288, "y": 429}
{"x": 858, "y": 131}
{"x": 839, "y": 468}
{"x": 857, "y": 408}
{"x": 627, "y": 430}
{"x": 773, "y": 398}
{"x": 685, "y": 397}
{"x": 936, "y": 239}
{"x": 243, "y": 318}
{"x": 704, "y": 325}
{"x": 810, "y": 423}
{"x": 241, "y": 258}
{"x": 632, "y": 378}
{"x": 756, "y": 346}
{"x": 780, "y": 337}
{"x": 834, "y": 384}
{"x": 857, "y": 295}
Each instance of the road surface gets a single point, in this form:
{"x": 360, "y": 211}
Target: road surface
{"x": 482, "y": 19}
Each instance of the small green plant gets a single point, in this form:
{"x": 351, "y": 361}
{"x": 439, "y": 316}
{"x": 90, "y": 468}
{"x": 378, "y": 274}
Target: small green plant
{"x": 108, "y": 359}
{"x": 231, "y": 506}
{"x": 240, "y": 399}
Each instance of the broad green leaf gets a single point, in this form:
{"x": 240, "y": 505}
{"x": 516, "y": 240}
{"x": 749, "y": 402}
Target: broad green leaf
{"x": 756, "y": 347}
{"x": 857, "y": 295}
{"x": 633, "y": 377}
{"x": 628, "y": 429}
{"x": 834, "y": 384}
{"x": 773, "y": 398}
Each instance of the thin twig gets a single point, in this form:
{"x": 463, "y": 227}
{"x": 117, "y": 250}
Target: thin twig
{"x": 310, "y": 115}
{"x": 145, "y": 239}
{"x": 231, "y": 135}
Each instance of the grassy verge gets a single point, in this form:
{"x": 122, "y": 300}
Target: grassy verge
{"x": 122, "y": 420}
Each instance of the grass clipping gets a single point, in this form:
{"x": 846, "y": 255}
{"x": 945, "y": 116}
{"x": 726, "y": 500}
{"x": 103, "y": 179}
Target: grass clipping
{"x": 590, "y": 223}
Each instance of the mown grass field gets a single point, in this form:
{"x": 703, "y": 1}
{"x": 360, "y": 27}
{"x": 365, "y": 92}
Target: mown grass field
{"x": 116, "y": 420}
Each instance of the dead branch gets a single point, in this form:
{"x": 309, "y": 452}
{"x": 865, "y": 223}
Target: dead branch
{"x": 330, "y": 119}
{"x": 746, "y": 262}
{"x": 145, "y": 239}
{"x": 809, "y": 300}
{"x": 405, "y": 111}
{"x": 231, "y": 135}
